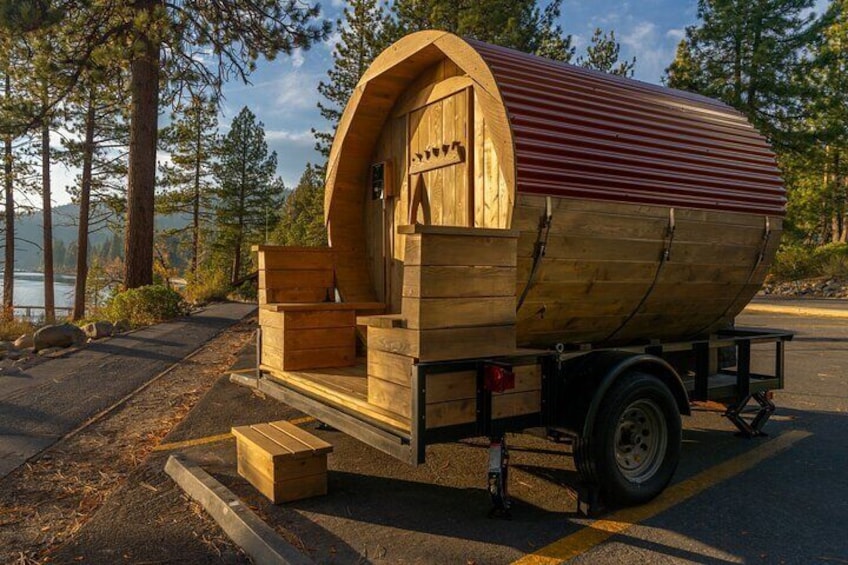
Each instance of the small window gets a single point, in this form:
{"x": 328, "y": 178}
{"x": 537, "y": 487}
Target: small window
{"x": 378, "y": 180}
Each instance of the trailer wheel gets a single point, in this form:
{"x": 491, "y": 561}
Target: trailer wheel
{"x": 634, "y": 447}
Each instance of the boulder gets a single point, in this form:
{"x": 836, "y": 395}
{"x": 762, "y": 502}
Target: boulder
{"x": 6, "y": 346}
{"x": 62, "y": 335}
{"x": 122, "y": 326}
{"x": 24, "y": 341}
{"x": 99, "y": 330}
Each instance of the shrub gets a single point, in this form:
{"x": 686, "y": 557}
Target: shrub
{"x": 207, "y": 286}
{"x": 833, "y": 260}
{"x": 146, "y": 305}
{"x": 794, "y": 262}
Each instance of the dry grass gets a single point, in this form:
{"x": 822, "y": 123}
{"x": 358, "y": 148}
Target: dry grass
{"x": 45, "y": 502}
{"x": 10, "y": 330}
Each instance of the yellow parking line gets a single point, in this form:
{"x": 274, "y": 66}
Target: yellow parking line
{"x": 216, "y": 438}
{"x": 599, "y": 531}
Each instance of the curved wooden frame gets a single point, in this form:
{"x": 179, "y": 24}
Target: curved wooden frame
{"x": 371, "y": 104}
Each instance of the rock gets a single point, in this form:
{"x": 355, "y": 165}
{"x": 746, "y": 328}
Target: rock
{"x": 62, "y": 335}
{"x": 24, "y": 341}
{"x": 13, "y": 354}
{"x": 49, "y": 350}
{"x": 122, "y": 326}
{"x": 6, "y": 346}
{"x": 99, "y": 330}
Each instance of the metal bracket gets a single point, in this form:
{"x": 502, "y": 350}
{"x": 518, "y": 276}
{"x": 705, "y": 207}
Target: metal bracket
{"x": 498, "y": 478}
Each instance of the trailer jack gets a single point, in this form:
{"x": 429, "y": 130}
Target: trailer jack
{"x": 498, "y": 477}
{"x": 753, "y": 428}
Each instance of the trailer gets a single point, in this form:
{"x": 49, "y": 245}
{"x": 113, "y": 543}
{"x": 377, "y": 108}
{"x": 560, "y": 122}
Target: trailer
{"x": 520, "y": 244}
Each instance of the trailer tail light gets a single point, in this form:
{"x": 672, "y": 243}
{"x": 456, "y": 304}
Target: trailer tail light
{"x": 497, "y": 378}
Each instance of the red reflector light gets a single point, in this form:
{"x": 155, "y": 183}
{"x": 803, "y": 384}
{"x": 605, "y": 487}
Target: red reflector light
{"x": 497, "y": 378}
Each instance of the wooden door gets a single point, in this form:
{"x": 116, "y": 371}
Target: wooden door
{"x": 439, "y": 191}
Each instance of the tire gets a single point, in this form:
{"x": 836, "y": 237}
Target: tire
{"x": 634, "y": 447}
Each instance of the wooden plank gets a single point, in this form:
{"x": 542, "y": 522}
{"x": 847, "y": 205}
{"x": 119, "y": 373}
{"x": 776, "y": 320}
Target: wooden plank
{"x": 319, "y": 358}
{"x": 382, "y": 321}
{"x": 466, "y": 250}
{"x": 338, "y": 396}
{"x": 305, "y": 278}
{"x": 302, "y": 295}
{"x": 319, "y": 338}
{"x": 285, "y": 490}
{"x": 293, "y": 320}
{"x": 320, "y": 306}
{"x": 451, "y": 413}
{"x": 480, "y": 184}
{"x": 444, "y": 344}
{"x": 390, "y": 366}
{"x": 443, "y": 387}
{"x": 437, "y": 281}
{"x": 505, "y": 405}
{"x": 390, "y": 396}
{"x": 294, "y": 259}
{"x": 430, "y": 313}
{"x": 430, "y": 94}
{"x": 283, "y": 469}
{"x": 310, "y": 442}
{"x": 457, "y": 231}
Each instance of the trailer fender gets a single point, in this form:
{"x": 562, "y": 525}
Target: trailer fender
{"x": 590, "y": 376}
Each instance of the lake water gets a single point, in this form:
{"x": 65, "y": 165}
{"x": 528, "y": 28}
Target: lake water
{"x": 29, "y": 289}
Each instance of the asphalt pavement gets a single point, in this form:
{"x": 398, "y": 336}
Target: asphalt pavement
{"x": 778, "y": 499}
{"x": 42, "y": 403}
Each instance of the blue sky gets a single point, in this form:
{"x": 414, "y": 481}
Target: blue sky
{"x": 283, "y": 93}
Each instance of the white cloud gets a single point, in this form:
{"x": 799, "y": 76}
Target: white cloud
{"x": 639, "y": 34}
{"x": 676, "y": 34}
{"x": 296, "y": 91}
{"x": 304, "y": 137}
{"x": 297, "y": 58}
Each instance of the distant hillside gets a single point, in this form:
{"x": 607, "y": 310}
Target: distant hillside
{"x": 28, "y": 230}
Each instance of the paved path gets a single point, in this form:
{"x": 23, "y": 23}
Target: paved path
{"x": 43, "y": 403}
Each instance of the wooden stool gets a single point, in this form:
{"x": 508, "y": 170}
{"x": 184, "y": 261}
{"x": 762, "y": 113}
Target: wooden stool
{"x": 282, "y": 461}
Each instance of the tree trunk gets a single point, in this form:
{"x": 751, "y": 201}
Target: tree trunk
{"x": 84, "y": 204}
{"x": 9, "y": 251}
{"x": 47, "y": 224}
{"x": 195, "y": 231}
{"x": 144, "y": 117}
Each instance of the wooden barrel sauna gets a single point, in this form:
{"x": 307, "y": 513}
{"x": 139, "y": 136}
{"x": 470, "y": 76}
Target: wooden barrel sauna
{"x": 644, "y": 212}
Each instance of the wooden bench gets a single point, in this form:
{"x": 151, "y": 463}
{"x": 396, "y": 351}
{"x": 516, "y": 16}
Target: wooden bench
{"x": 282, "y": 461}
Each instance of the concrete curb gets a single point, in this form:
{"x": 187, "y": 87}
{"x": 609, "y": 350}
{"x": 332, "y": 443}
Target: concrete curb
{"x": 795, "y": 311}
{"x": 254, "y": 536}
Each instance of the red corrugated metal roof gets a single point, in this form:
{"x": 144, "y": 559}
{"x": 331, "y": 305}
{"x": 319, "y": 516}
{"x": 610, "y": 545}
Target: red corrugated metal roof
{"x": 585, "y": 134}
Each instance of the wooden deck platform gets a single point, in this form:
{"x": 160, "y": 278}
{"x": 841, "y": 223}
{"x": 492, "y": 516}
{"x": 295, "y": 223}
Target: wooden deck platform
{"x": 345, "y": 388}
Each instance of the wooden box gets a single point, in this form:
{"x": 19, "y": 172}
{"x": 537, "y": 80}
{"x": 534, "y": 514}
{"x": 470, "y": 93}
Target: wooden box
{"x": 451, "y": 397}
{"x": 307, "y": 336}
{"x": 295, "y": 274}
{"x": 282, "y": 461}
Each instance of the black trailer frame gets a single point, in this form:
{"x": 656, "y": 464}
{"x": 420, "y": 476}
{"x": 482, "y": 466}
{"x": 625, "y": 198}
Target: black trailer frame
{"x": 705, "y": 380}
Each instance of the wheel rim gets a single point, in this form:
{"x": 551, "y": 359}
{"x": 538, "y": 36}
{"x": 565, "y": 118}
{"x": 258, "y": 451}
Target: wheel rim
{"x": 641, "y": 438}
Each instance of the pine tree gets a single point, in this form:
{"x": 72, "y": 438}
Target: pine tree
{"x": 248, "y": 192}
{"x": 302, "y": 218}
{"x": 519, "y": 24}
{"x": 97, "y": 144}
{"x": 179, "y": 43}
{"x": 192, "y": 140}
{"x": 361, "y": 39}
{"x": 603, "y": 54}
{"x": 746, "y": 53}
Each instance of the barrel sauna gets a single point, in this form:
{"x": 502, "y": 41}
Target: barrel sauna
{"x": 644, "y": 213}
